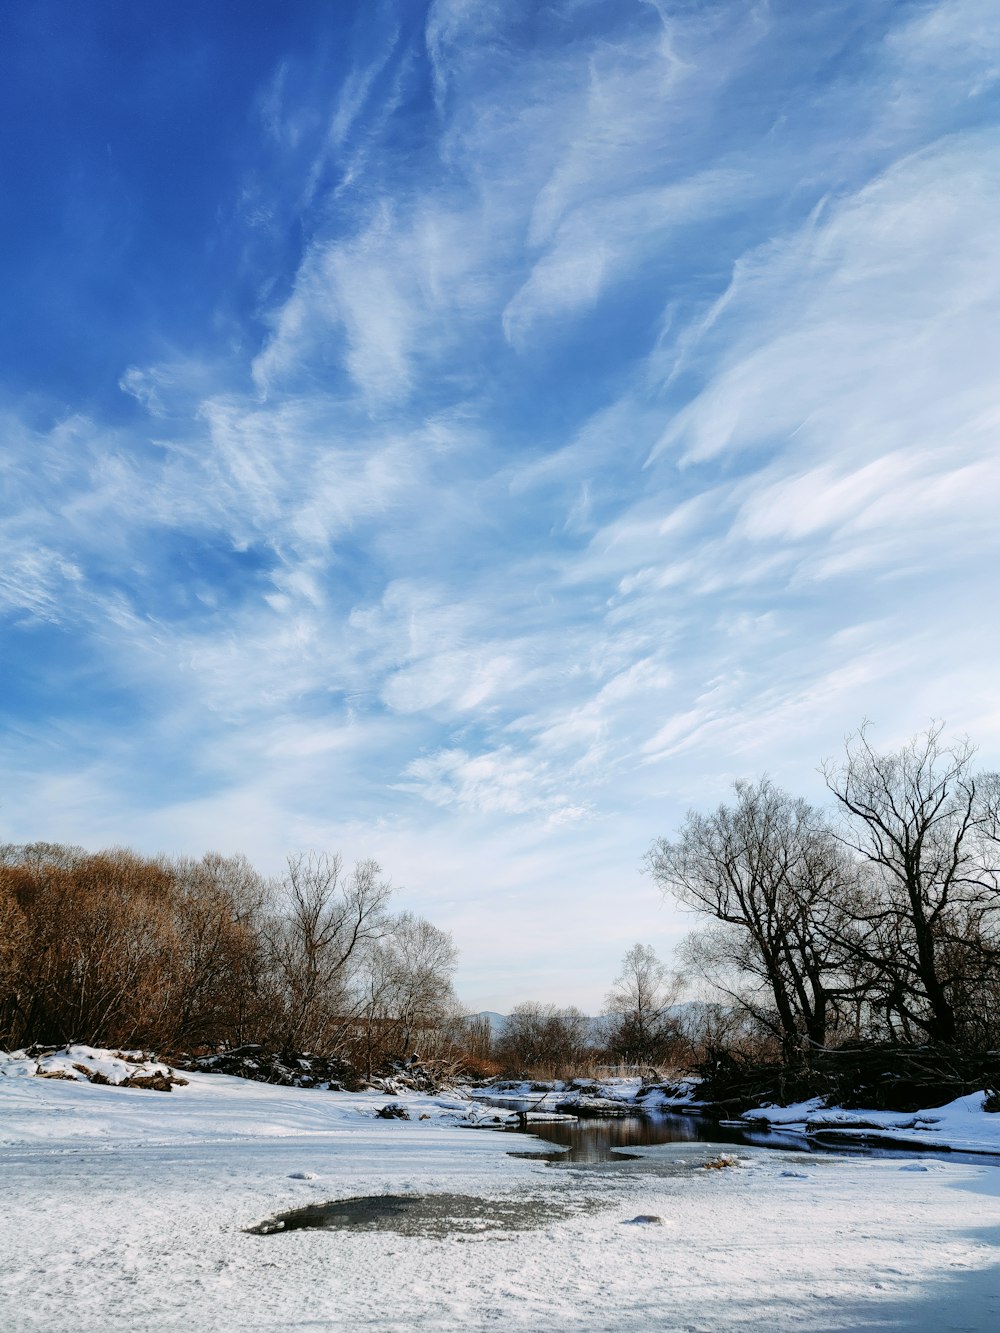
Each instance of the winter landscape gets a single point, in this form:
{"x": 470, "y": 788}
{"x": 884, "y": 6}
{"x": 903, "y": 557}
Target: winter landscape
{"x": 127, "y": 1209}
{"x": 500, "y": 803}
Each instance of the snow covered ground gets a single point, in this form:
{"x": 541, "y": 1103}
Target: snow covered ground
{"x": 960, "y": 1126}
{"x": 125, "y": 1208}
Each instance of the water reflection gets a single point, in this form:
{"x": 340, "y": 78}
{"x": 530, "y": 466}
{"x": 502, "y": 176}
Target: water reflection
{"x": 588, "y": 1142}
{"x": 609, "y": 1140}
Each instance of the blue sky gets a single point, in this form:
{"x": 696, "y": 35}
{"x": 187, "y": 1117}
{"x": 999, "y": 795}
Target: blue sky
{"x": 471, "y": 434}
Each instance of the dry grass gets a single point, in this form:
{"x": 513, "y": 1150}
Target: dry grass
{"x": 720, "y": 1163}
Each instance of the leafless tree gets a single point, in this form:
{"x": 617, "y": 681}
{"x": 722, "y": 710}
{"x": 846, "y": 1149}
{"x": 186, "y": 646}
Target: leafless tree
{"x": 544, "y": 1040}
{"x": 326, "y": 918}
{"x": 13, "y": 938}
{"x": 476, "y": 1038}
{"x": 406, "y": 981}
{"x": 769, "y": 872}
{"x": 641, "y": 1026}
{"x": 927, "y": 826}
{"x": 92, "y": 945}
{"x": 114, "y": 948}
{"x": 217, "y": 982}
{"x": 34, "y": 855}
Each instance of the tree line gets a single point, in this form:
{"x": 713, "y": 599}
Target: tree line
{"x": 641, "y": 1029}
{"x": 876, "y": 921}
{"x": 184, "y": 955}
{"x": 175, "y": 954}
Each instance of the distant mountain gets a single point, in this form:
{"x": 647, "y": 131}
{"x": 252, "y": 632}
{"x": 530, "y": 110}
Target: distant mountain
{"x": 497, "y": 1021}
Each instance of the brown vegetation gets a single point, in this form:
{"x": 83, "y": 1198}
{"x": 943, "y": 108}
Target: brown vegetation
{"x": 115, "y": 949}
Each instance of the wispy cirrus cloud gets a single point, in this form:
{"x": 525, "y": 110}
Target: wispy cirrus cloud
{"x": 610, "y": 412}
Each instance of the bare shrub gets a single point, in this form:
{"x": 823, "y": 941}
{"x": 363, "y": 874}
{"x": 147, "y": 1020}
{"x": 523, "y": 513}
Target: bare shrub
{"x": 543, "y": 1041}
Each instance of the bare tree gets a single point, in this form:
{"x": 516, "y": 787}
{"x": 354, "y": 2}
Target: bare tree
{"x": 92, "y": 945}
{"x": 476, "y": 1038}
{"x": 544, "y": 1040}
{"x": 328, "y": 917}
{"x": 927, "y": 825}
{"x": 710, "y": 1030}
{"x": 638, "y": 1006}
{"x": 771, "y": 874}
{"x": 14, "y": 934}
{"x": 406, "y": 980}
{"x": 35, "y": 855}
{"x": 119, "y": 949}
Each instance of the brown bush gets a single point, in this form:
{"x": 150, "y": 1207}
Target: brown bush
{"x": 111, "y": 948}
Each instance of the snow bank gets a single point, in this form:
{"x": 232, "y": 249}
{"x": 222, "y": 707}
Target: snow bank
{"x": 589, "y": 1096}
{"x": 963, "y": 1125}
{"x": 89, "y": 1064}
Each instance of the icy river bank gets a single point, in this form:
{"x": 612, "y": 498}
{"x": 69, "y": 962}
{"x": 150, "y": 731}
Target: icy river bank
{"x": 129, "y": 1209}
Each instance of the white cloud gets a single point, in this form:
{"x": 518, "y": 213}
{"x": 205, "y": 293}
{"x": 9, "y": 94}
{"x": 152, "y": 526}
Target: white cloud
{"x": 604, "y": 240}
{"x": 494, "y": 782}
{"x": 868, "y": 315}
{"x": 499, "y": 617}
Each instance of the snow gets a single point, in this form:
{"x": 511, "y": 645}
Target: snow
{"x": 591, "y": 1095}
{"x": 81, "y": 1064}
{"x": 124, "y": 1209}
{"x": 961, "y": 1125}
